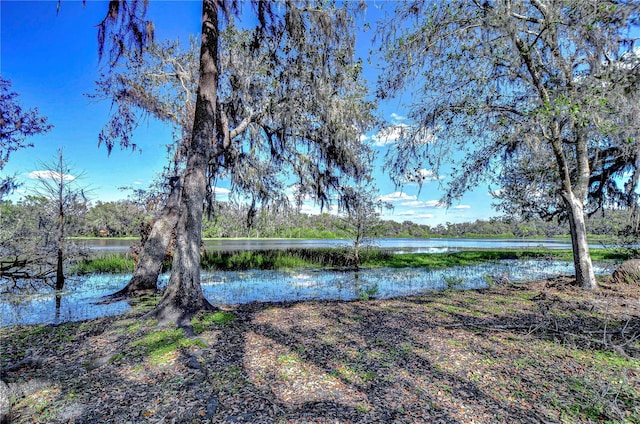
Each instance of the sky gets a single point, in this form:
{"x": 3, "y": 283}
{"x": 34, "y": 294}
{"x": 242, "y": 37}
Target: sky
{"x": 52, "y": 62}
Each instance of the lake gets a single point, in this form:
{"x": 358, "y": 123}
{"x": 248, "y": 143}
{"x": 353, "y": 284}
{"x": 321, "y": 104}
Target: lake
{"x": 416, "y": 245}
{"x": 80, "y": 300}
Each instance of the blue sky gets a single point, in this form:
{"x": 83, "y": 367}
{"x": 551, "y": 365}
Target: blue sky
{"x": 52, "y": 61}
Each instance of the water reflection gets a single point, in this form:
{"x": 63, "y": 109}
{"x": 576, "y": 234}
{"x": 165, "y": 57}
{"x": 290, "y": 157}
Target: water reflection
{"x": 225, "y": 287}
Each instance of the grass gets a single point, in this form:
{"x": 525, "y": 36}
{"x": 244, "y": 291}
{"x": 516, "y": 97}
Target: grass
{"x": 206, "y": 321}
{"x": 474, "y": 257}
{"x": 341, "y": 257}
{"x": 160, "y": 346}
{"x": 111, "y": 263}
{"x": 261, "y": 259}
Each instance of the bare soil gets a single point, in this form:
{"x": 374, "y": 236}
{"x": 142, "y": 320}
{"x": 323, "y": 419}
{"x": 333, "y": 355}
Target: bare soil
{"x": 542, "y": 352}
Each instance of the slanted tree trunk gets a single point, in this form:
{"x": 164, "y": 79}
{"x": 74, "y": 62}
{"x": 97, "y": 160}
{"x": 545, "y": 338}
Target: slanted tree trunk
{"x": 154, "y": 250}
{"x": 585, "y": 276}
{"x": 183, "y": 296}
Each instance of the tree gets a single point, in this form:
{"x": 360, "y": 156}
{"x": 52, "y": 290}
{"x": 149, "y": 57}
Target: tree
{"x": 160, "y": 81}
{"x": 115, "y": 219}
{"x": 16, "y": 125}
{"x": 25, "y": 263}
{"x": 294, "y": 107}
{"x": 33, "y": 232}
{"x": 59, "y": 186}
{"x": 154, "y": 249}
{"x": 305, "y": 132}
{"x": 361, "y": 206}
{"x": 513, "y": 84}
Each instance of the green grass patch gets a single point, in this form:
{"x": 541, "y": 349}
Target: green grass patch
{"x": 605, "y": 359}
{"x": 145, "y": 302}
{"x": 206, "y": 321}
{"x": 159, "y": 346}
{"x": 260, "y": 259}
{"x": 112, "y": 264}
{"x": 285, "y": 259}
{"x": 475, "y": 257}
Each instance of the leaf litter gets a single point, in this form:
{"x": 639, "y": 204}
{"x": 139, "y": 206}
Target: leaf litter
{"x": 541, "y": 352}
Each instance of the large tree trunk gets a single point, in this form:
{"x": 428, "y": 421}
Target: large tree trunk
{"x": 581, "y": 256}
{"x": 183, "y": 296}
{"x": 154, "y": 250}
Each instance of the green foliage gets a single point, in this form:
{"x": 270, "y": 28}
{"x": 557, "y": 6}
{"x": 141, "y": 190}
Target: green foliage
{"x": 369, "y": 292}
{"x": 491, "y": 282}
{"x": 115, "y": 219}
{"x": 124, "y": 219}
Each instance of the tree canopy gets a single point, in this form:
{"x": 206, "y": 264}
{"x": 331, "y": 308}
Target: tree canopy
{"x": 539, "y": 96}
{"x": 16, "y": 125}
{"x": 277, "y": 102}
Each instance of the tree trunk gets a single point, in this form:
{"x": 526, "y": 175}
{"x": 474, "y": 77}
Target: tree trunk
{"x": 154, "y": 250}
{"x": 183, "y": 296}
{"x": 60, "y": 270}
{"x": 60, "y": 240}
{"x": 581, "y": 256}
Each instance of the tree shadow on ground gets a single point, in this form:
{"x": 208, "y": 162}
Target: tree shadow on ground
{"x": 386, "y": 356}
{"x": 441, "y": 357}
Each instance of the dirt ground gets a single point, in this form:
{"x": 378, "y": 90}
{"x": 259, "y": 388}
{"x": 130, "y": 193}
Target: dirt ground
{"x": 542, "y": 352}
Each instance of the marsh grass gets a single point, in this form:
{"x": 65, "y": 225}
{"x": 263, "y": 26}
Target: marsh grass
{"x": 111, "y": 263}
{"x": 286, "y": 259}
{"x": 341, "y": 258}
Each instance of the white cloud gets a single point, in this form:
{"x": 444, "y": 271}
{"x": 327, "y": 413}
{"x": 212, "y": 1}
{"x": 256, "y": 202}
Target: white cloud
{"x": 424, "y": 216}
{"x": 462, "y": 207}
{"x": 397, "y": 118}
{"x": 221, "y": 190}
{"x": 388, "y": 135}
{"x": 397, "y": 196}
{"x": 392, "y": 133}
{"x": 313, "y": 208}
{"x": 48, "y": 174}
{"x": 413, "y": 203}
{"x": 420, "y": 176}
{"x": 410, "y": 214}
{"x": 423, "y": 204}
{"x": 434, "y": 204}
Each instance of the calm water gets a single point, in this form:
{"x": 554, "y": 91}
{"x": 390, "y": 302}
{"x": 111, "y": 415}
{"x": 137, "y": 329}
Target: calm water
{"x": 397, "y": 244}
{"x": 79, "y": 302}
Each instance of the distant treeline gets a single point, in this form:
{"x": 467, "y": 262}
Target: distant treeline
{"x": 292, "y": 225}
{"x": 125, "y": 218}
